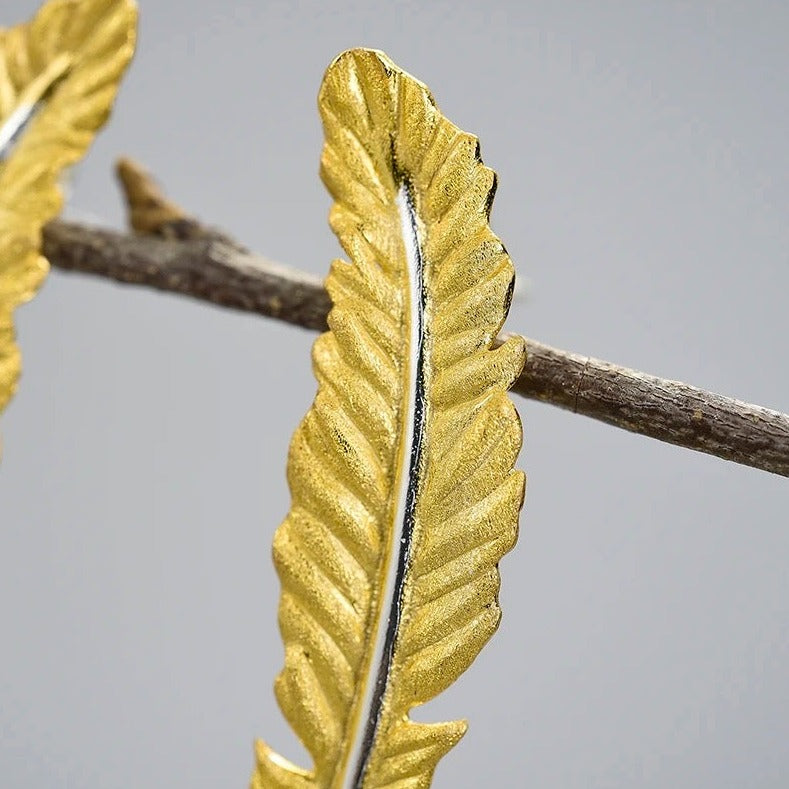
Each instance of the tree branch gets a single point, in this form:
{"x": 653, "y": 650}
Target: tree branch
{"x": 176, "y": 253}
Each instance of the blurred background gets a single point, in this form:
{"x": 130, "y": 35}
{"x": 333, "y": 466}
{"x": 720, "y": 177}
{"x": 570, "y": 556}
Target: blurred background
{"x": 644, "y": 191}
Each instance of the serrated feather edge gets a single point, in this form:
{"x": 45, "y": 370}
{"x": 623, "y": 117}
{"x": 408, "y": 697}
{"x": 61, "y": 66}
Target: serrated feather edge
{"x": 410, "y": 193}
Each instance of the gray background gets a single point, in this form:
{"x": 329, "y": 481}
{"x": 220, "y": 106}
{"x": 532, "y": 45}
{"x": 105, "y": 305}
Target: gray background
{"x": 644, "y": 190}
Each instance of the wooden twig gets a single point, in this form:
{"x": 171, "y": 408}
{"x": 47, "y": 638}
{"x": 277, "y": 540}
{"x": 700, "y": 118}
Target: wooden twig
{"x": 203, "y": 268}
{"x": 656, "y": 407}
{"x": 181, "y": 255}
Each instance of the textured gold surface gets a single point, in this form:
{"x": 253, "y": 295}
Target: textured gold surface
{"x": 385, "y": 135}
{"x": 67, "y": 62}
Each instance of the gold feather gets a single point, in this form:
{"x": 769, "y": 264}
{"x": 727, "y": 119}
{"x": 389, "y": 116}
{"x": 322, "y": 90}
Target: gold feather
{"x": 58, "y": 77}
{"x": 404, "y": 496}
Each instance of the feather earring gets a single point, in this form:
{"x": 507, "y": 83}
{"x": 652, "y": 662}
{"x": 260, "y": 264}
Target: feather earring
{"x": 59, "y": 74}
{"x": 404, "y": 496}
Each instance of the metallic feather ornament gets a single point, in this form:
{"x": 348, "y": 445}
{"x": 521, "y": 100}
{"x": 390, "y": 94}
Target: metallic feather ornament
{"x": 59, "y": 74}
{"x": 404, "y": 497}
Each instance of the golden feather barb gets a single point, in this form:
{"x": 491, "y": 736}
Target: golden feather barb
{"x": 404, "y": 497}
{"x": 59, "y": 74}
